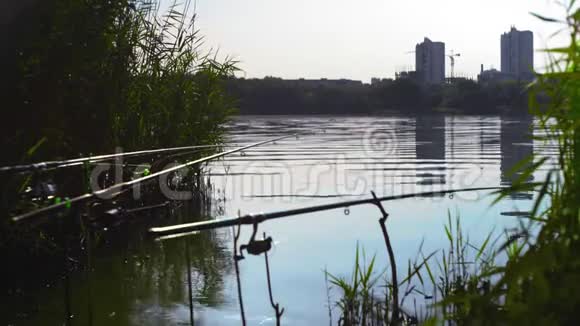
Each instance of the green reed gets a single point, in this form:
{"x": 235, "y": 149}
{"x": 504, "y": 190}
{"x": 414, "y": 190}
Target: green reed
{"x": 87, "y": 76}
{"x": 358, "y": 304}
{"x": 83, "y": 77}
{"x": 529, "y": 277}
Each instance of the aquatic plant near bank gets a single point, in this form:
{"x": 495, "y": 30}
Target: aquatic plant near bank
{"x": 539, "y": 283}
{"x": 86, "y": 76}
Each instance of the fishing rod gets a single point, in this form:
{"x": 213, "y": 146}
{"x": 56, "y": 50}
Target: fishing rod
{"x": 254, "y": 219}
{"x": 92, "y": 159}
{"x": 119, "y": 188}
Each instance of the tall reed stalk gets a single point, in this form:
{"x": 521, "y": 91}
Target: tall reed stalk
{"x": 86, "y": 76}
{"x": 532, "y": 277}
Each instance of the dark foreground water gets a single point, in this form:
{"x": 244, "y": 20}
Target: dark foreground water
{"x": 136, "y": 280}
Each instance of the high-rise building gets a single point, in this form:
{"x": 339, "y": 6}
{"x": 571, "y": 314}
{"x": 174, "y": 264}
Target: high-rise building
{"x": 517, "y": 54}
{"x": 430, "y": 61}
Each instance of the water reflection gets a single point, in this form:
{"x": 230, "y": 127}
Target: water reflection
{"x": 132, "y": 280}
{"x": 430, "y": 146}
{"x": 430, "y": 138}
{"x": 516, "y": 145}
{"x": 137, "y": 281}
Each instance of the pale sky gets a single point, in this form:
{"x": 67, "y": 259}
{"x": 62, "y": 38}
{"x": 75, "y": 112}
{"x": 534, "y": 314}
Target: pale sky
{"x": 365, "y": 38}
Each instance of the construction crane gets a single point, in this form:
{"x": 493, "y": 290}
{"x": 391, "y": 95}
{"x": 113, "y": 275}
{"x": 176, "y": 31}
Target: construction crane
{"x": 452, "y": 57}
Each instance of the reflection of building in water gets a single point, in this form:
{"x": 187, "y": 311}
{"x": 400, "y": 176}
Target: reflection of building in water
{"x": 430, "y": 149}
{"x": 516, "y": 145}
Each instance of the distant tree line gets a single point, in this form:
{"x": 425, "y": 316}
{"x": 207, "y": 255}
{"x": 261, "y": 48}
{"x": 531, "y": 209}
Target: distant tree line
{"x": 278, "y": 96}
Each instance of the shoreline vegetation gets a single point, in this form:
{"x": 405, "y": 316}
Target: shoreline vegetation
{"x": 276, "y": 96}
{"x": 93, "y": 77}
{"x": 528, "y": 277}
{"x": 84, "y": 77}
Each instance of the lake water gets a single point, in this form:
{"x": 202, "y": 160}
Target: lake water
{"x": 136, "y": 280}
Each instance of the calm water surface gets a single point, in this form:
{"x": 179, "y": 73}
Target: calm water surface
{"x": 139, "y": 281}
